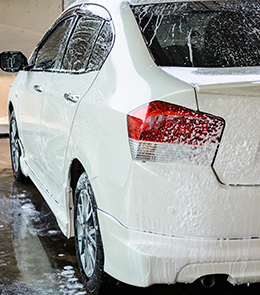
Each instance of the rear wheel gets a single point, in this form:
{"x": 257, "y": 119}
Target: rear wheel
{"x": 15, "y": 150}
{"x": 88, "y": 242}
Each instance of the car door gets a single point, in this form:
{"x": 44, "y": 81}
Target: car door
{"x": 33, "y": 84}
{"x": 83, "y": 58}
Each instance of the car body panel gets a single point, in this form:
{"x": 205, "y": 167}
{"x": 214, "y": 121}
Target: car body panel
{"x": 234, "y": 95}
{"x": 56, "y": 121}
{"x": 29, "y": 113}
{"x": 186, "y": 203}
{"x": 162, "y": 259}
{"x": 237, "y": 161}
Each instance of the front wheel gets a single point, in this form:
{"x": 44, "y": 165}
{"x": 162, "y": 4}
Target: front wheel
{"x": 88, "y": 241}
{"x": 15, "y": 150}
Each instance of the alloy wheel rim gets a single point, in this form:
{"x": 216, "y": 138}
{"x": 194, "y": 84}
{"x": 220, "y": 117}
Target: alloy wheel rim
{"x": 86, "y": 233}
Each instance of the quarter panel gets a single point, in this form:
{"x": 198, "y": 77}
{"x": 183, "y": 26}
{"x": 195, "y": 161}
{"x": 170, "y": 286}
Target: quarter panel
{"x": 180, "y": 201}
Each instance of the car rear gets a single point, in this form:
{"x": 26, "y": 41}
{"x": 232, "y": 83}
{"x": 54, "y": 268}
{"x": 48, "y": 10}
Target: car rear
{"x": 196, "y": 171}
{"x": 191, "y": 200}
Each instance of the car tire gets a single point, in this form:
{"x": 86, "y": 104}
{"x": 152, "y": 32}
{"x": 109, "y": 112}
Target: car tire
{"x": 15, "y": 150}
{"x": 88, "y": 241}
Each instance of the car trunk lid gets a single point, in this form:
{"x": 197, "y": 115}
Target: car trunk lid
{"x": 232, "y": 94}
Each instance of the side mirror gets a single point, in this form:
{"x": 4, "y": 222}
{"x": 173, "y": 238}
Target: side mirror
{"x": 12, "y": 61}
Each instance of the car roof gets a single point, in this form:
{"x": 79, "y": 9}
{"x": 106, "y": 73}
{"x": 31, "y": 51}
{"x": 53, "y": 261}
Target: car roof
{"x": 134, "y": 2}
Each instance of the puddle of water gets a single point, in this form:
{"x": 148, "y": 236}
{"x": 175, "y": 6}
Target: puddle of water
{"x": 35, "y": 257}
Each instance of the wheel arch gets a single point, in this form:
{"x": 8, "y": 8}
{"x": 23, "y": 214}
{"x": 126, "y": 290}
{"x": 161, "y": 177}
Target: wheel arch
{"x": 76, "y": 169}
{"x": 10, "y": 109}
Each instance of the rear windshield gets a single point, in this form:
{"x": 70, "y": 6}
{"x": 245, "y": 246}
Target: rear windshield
{"x": 202, "y": 34}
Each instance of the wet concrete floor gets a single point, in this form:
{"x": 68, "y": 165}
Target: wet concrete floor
{"x": 35, "y": 257}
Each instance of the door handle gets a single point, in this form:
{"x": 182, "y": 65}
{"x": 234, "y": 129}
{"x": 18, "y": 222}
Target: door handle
{"x": 71, "y": 97}
{"x": 38, "y": 88}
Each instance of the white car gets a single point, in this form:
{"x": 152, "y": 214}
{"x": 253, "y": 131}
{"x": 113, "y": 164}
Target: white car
{"x": 139, "y": 123}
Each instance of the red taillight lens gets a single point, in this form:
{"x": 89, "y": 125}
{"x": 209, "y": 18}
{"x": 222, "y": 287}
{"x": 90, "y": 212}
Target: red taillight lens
{"x": 192, "y": 136}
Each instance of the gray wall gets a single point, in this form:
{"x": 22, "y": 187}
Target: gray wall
{"x": 22, "y": 24}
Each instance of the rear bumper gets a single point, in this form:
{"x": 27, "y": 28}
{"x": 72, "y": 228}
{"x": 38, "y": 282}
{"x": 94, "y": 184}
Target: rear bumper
{"x": 142, "y": 258}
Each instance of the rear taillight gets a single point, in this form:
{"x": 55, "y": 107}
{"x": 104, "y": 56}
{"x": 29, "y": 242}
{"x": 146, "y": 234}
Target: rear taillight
{"x": 164, "y": 132}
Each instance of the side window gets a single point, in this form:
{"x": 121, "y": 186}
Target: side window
{"x": 102, "y": 48}
{"x": 81, "y": 44}
{"x": 49, "y": 56}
